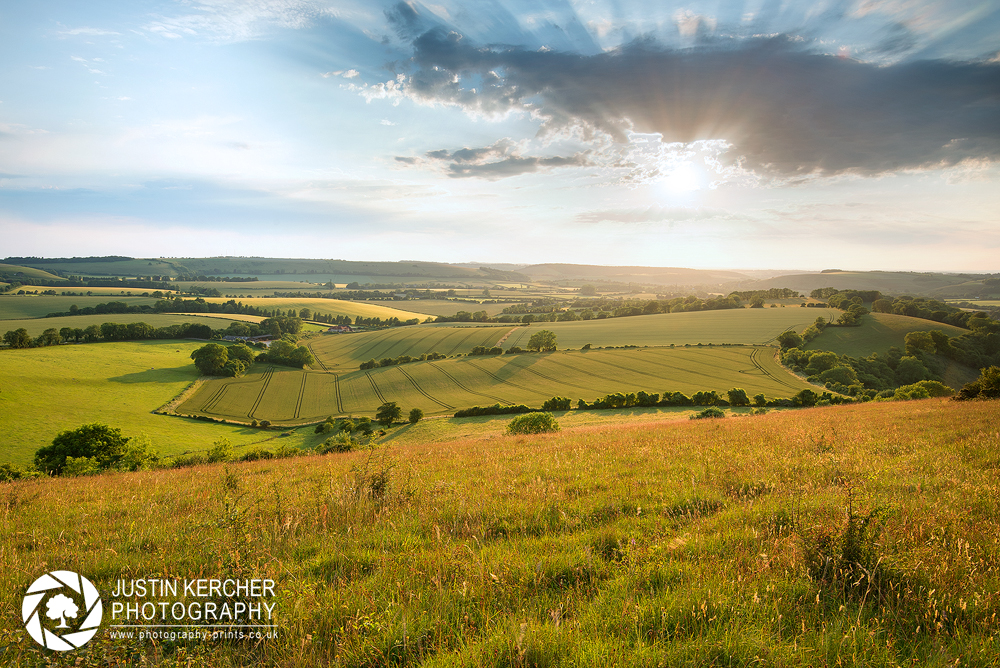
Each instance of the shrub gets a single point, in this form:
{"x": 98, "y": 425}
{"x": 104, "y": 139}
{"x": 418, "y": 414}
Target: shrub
{"x": 533, "y": 423}
{"x": 340, "y": 443}
{"x": 987, "y": 386}
{"x": 710, "y": 412}
{"x": 416, "y": 415}
{"x": 220, "y": 451}
{"x": 105, "y": 444}
{"x": 78, "y": 466}
{"x": 254, "y": 455}
{"x": 557, "y": 404}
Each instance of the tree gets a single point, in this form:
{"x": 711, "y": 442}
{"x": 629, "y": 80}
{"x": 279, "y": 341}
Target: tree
{"x": 388, "y": 413}
{"x": 533, "y": 423}
{"x": 789, "y": 339}
{"x": 588, "y": 291}
{"x": 17, "y": 338}
{"x": 738, "y": 397}
{"x": 416, "y": 415}
{"x": 543, "y": 340}
{"x": 50, "y": 337}
{"x": 987, "y": 386}
{"x": 60, "y": 607}
{"x": 241, "y": 352}
{"x": 211, "y": 359}
{"x": 106, "y": 444}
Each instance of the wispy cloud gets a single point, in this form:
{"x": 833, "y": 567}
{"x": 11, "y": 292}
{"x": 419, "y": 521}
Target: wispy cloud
{"x": 500, "y": 160}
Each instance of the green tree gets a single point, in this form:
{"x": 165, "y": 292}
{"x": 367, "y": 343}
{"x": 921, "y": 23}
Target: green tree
{"x": 105, "y": 444}
{"x": 17, "y": 338}
{"x": 738, "y": 397}
{"x": 211, "y": 359}
{"x": 987, "y": 386}
{"x": 533, "y": 423}
{"x": 789, "y": 339}
{"x": 241, "y": 352}
{"x": 543, "y": 340}
{"x": 416, "y": 415}
{"x": 388, "y": 413}
{"x": 50, "y": 337}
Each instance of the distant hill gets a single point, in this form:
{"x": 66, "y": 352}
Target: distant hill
{"x": 889, "y": 282}
{"x": 877, "y": 333}
{"x": 19, "y": 272}
{"x": 647, "y": 275}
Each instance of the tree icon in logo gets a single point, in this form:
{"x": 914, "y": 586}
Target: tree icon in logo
{"x": 61, "y": 592}
{"x": 60, "y": 607}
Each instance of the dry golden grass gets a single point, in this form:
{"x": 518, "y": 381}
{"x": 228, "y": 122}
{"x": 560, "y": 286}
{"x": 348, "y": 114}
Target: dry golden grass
{"x": 681, "y": 543}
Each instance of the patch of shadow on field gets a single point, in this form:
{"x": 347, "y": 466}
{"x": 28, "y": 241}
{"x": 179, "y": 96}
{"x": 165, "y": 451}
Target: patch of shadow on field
{"x": 153, "y": 376}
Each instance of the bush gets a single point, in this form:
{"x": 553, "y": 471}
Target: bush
{"x": 78, "y": 466}
{"x": 987, "y": 386}
{"x": 533, "y": 423}
{"x": 340, "y": 443}
{"x": 254, "y": 455}
{"x": 416, "y": 415}
{"x": 557, "y": 404}
{"x": 105, "y": 444}
{"x": 220, "y": 451}
{"x": 710, "y": 412}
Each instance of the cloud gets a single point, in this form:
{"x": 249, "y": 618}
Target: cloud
{"x": 498, "y": 161}
{"x": 90, "y": 32}
{"x": 784, "y": 109}
{"x": 652, "y": 214}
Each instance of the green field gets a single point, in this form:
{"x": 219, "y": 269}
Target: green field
{"x": 36, "y": 326}
{"x": 756, "y": 326}
{"x": 26, "y": 273}
{"x": 449, "y": 307}
{"x": 96, "y": 292}
{"x": 19, "y": 307}
{"x": 44, "y": 391}
{"x": 877, "y": 333}
{"x": 286, "y": 396}
{"x": 326, "y": 306}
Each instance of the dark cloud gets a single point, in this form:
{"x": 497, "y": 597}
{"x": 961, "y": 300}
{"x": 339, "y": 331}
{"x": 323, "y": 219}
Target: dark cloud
{"x": 497, "y": 161}
{"x": 785, "y": 110}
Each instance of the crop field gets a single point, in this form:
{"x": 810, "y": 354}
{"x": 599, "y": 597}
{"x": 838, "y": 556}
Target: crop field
{"x": 447, "y": 306}
{"x": 347, "y": 351}
{"x": 682, "y": 543}
{"x": 27, "y": 272}
{"x": 877, "y": 333}
{"x": 286, "y": 396}
{"x": 36, "y": 326}
{"x": 326, "y": 306}
{"x": 756, "y": 326}
{"x": 103, "y": 294}
{"x": 15, "y": 307}
{"x": 44, "y": 391}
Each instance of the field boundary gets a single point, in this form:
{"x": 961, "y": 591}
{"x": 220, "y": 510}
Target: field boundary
{"x": 170, "y": 407}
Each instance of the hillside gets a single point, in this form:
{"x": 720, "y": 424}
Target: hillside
{"x": 887, "y": 282}
{"x": 683, "y": 543}
{"x": 877, "y": 333}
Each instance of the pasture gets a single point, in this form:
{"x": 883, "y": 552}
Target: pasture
{"x": 326, "y": 306}
{"x": 753, "y": 326}
{"x": 96, "y": 292}
{"x": 44, "y": 391}
{"x": 36, "y": 326}
{"x": 19, "y": 307}
{"x": 290, "y": 397}
{"x": 25, "y": 273}
{"x": 685, "y": 543}
{"x": 877, "y": 333}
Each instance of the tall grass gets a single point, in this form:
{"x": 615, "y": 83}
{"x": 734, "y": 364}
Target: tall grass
{"x": 688, "y": 543}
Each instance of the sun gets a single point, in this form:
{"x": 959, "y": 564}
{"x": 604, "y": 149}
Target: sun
{"x": 685, "y": 177}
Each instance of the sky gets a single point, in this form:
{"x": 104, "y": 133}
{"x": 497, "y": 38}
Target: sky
{"x": 754, "y": 134}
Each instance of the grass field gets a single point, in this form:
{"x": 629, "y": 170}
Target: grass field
{"x": 36, "y": 326}
{"x": 44, "y": 391}
{"x": 447, "y": 307}
{"x": 14, "y": 307}
{"x": 27, "y": 273}
{"x": 757, "y": 326}
{"x": 877, "y": 333}
{"x": 97, "y": 293}
{"x": 326, "y": 306}
{"x": 685, "y": 543}
{"x": 289, "y": 397}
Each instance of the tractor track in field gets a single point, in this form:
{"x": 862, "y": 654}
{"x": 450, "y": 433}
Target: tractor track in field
{"x": 419, "y": 389}
{"x": 753, "y": 358}
{"x": 506, "y": 382}
{"x": 458, "y": 345}
{"x": 519, "y": 337}
{"x": 674, "y": 369}
{"x": 375, "y": 387}
{"x": 316, "y": 357}
{"x": 563, "y": 382}
{"x": 340, "y": 402}
{"x": 362, "y": 351}
{"x": 420, "y": 340}
{"x": 611, "y": 364}
{"x": 302, "y": 393}
{"x": 260, "y": 395}
{"x": 481, "y": 394}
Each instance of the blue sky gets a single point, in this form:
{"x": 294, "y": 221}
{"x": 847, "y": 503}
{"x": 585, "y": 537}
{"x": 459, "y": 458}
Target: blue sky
{"x": 861, "y": 134}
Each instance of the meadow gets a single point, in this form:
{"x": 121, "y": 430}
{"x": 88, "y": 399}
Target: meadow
{"x": 48, "y": 390}
{"x": 15, "y": 307}
{"x": 877, "y": 333}
{"x": 291, "y": 397}
{"x": 326, "y": 306}
{"x": 36, "y": 326}
{"x": 841, "y": 536}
